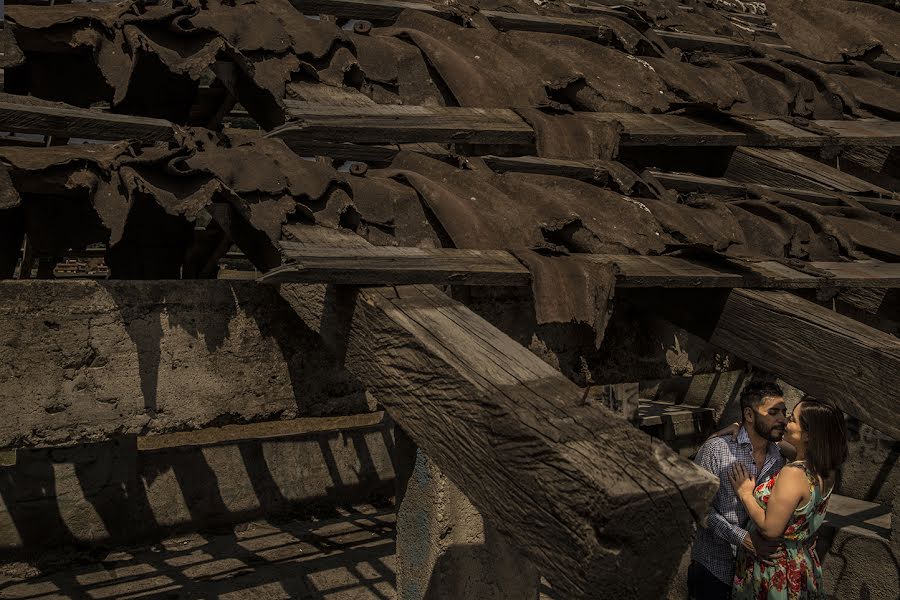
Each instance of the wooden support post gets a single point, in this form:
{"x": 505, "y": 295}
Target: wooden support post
{"x": 582, "y": 493}
{"x": 811, "y": 347}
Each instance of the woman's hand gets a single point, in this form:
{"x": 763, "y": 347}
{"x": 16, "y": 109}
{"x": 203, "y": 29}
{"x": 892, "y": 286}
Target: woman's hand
{"x": 741, "y": 480}
{"x": 731, "y": 430}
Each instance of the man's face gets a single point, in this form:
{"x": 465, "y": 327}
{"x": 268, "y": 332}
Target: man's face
{"x": 770, "y": 418}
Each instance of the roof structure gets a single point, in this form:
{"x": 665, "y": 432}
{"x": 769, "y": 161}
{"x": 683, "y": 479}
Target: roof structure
{"x": 574, "y": 147}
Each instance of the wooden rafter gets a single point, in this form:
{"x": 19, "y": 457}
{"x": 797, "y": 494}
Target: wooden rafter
{"x": 397, "y": 124}
{"x": 387, "y": 265}
{"x": 324, "y": 125}
{"x": 684, "y": 182}
{"x": 72, "y": 122}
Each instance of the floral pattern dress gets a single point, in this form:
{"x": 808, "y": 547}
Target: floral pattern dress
{"x": 797, "y": 574}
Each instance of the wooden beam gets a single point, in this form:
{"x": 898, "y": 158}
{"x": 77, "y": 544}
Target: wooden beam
{"x": 386, "y": 124}
{"x": 387, "y": 265}
{"x": 817, "y": 350}
{"x": 69, "y": 121}
{"x": 387, "y": 10}
{"x": 578, "y": 490}
{"x": 573, "y": 169}
{"x": 685, "y": 182}
{"x": 391, "y": 124}
{"x": 787, "y": 168}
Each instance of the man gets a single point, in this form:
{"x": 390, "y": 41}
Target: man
{"x": 764, "y": 417}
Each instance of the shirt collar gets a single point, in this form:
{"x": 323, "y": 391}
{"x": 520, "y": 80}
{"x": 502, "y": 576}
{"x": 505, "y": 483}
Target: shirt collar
{"x": 743, "y": 436}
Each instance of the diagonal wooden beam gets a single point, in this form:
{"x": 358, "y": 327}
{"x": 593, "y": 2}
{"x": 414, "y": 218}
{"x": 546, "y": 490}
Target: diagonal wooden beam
{"x": 818, "y": 350}
{"x": 577, "y": 489}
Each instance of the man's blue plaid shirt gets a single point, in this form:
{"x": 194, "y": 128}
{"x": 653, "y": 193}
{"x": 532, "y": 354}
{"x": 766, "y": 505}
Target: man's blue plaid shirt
{"x": 716, "y": 545}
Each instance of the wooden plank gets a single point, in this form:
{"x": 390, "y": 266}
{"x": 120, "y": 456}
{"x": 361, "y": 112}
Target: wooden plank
{"x": 872, "y": 273}
{"x": 322, "y": 261}
{"x": 383, "y": 10}
{"x": 581, "y": 170}
{"x": 386, "y": 265}
{"x": 686, "y": 183}
{"x": 786, "y": 168}
{"x": 390, "y": 124}
{"x": 817, "y": 350}
{"x": 580, "y": 492}
{"x": 81, "y": 123}
{"x": 386, "y": 124}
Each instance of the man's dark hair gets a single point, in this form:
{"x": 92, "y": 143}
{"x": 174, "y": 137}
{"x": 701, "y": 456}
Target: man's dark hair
{"x": 826, "y": 449}
{"x": 753, "y": 393}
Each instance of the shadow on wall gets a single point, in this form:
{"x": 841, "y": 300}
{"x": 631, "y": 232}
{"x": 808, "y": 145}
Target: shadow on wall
{"x": 114, "y": 493}
{"x": 149, "y": 311}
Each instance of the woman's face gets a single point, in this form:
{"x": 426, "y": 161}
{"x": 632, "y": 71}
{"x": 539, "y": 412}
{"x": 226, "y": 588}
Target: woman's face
{"x": 792, "y": 432}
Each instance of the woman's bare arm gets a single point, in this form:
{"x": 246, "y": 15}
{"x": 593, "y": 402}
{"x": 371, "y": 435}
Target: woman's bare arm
{"x": 789, "y": 489}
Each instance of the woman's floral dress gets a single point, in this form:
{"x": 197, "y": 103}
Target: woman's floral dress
{"x": 797, "y": 574}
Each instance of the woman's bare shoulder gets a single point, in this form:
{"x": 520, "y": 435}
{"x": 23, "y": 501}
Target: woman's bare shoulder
{"x": 792, "y": 473}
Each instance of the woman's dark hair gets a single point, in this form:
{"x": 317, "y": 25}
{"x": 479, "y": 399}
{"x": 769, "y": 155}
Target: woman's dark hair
{"x": 826, "y": 448}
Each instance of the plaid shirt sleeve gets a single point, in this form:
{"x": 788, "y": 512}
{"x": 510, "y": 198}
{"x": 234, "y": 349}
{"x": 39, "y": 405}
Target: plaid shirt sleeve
{"x": 712, "y": 460}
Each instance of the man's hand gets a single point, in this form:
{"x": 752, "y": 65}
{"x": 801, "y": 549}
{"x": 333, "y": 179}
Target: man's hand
{"x": 765, "y": 549}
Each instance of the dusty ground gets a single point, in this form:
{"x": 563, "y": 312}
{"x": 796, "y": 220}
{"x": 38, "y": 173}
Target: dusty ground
{"x": 346, "y": 558}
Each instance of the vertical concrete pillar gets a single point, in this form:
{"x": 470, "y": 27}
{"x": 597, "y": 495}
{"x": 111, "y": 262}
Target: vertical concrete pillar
{"x": 445, "y": 550}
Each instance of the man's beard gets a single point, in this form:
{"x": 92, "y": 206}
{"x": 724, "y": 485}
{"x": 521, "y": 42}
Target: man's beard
{"x": 773, "y": 433}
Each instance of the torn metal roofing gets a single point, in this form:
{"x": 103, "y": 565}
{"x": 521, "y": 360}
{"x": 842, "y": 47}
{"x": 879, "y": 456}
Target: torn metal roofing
{"x": 189, "y": 61}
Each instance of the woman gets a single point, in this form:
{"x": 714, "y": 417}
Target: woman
{"x": 792, "y": 505}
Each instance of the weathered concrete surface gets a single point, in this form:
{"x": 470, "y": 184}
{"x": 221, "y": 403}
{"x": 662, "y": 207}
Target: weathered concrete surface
{"x": 445, "y": 550}
{"x": 81, "y": 360}
{"x": 872, "y": 471}
{"x": 347, "y": 557}
{"x": 132, "y": 489}
{"x": 859, "y": 557}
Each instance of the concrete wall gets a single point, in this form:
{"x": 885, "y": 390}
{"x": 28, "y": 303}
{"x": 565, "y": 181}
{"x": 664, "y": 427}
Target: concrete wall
{"x": 445, "y": 549}
{"x": 139, "y": 489}
{"x": 83, "y": 360}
